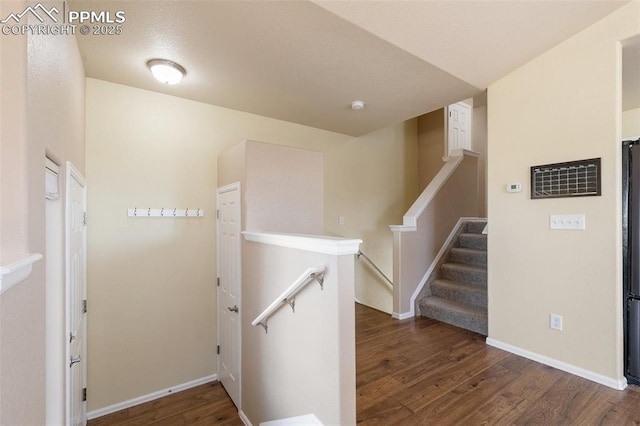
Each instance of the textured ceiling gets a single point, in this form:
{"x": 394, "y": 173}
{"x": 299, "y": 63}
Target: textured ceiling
{"x": 304, "y": 62}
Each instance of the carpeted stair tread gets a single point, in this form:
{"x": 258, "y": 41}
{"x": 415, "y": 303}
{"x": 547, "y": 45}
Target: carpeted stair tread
{"x": 470, "y": 317}
{"x": 460, "y": 292}
{"x": 468, "y": 256}
{"x": 469, "y": 274}
{"x": 473, "y": 241}
{"x": 457, "y": 292}
{"x": 475, "y": 227}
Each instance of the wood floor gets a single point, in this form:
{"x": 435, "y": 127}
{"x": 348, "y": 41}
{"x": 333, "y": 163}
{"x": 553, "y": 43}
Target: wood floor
{"x": 203, "y": 405}
{"x": 420, "y": 371}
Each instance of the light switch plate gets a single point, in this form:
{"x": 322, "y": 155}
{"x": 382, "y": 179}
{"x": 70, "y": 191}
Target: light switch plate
{"x": 575, "y": 222}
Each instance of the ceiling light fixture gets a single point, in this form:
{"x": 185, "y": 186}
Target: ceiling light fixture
{"x": 165, "y": 71}
{"x": 357, "y": 105}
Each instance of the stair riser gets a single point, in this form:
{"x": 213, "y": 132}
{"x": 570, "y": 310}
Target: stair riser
{"x": 473, "y": 241}
{"x": 471, "y": 258}
{"x": 459, "y": 319}
{"x": 465, "y": 276}
{"x": 475, "y": 298}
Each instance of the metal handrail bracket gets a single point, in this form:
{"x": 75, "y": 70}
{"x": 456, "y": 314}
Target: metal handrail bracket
{"x": 288, "y": 296}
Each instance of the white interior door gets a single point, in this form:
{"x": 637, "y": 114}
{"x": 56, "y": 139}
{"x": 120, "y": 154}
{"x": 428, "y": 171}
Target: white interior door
{"x": 229, "y": 276}
{"x": 76, "y": 288}
{"x": 458, "y": 127}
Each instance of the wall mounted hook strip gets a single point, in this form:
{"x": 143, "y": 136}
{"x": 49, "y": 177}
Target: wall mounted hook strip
{"x": 165, "y": 212}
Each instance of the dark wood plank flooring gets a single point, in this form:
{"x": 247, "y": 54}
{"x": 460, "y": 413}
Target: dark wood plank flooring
{"x": 207, "y": 404}
{"x": 420, "y": 371}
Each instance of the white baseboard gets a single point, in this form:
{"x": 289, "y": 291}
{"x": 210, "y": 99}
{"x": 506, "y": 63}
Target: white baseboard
{"x": 150, "y": 397}
{"x": 244, "y": 418}
{"x": 402, "y": 315}
{"x": 307, "y": 420}
{"x": 560, "y": 365}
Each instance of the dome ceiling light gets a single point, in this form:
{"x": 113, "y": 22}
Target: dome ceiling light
{"x": 165, "y": 71}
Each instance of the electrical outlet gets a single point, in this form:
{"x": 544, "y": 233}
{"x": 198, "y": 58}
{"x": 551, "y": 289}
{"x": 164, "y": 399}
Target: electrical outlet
{"x": 555, "y": 322}
{"x": 341, "y": 220}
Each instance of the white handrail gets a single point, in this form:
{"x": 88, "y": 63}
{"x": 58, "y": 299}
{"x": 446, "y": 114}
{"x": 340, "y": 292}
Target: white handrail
{"x": 288, "y": 295}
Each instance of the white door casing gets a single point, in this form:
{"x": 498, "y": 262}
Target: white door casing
{"x": 458, "y": 127}
{"x": 56, "y": 343}
{"x": 229, "y": 279}
{"x": 76, "y": 289}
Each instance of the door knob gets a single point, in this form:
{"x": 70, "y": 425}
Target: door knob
{"x": 75, "y": 360}
{"x": 234, "y": 309}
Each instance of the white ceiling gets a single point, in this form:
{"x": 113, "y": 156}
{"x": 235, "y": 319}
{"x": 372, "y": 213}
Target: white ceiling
{"x": 304, "y": 61}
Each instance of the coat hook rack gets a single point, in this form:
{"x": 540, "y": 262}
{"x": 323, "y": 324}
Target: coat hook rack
{"x": 165, "y": 212}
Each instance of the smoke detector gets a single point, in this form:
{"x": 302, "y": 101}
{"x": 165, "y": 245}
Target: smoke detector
{"x": 357, "y": 105}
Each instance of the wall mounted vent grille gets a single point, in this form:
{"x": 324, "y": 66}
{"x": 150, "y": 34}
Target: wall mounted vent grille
{"x": 571, "y": 179}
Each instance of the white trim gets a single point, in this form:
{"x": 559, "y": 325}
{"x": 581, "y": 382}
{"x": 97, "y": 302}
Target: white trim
{"x": 306, "y": 420}
{"x": 404, "y": 315}
{"x": 150, "y": 397}
{"x": 17, "y": 271}
{"x": 315, "y": 243}
{"x": 560, "y": 365}
{"x": 467, "y": 152}
{"x": 230, "y": 187}
{"x": 410, "y": 219}
{"x": 244, "y": 418}
{"x": 52, "y": 169}
{"x": 403, "y": 228}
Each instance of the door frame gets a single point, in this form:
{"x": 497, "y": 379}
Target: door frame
{"x": 55, "y": 300}
{"x": 236, "y": 186}
{"x": 73, "y": 174}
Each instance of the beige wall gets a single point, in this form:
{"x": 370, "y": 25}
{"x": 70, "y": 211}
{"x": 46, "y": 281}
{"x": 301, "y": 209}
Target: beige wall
{"x": 282, "y": 186}
{"x": 631, "y": 123}
{"x": 479, "y": 145}
{"x": 431, "y": 146}
{"x": 22, "y": 326}
{"x": 42, "y": 87}
{"x": 562, "y": 106}
{"x": 151, "y": 280}
{"x": 306, "y": 362}
{"x": 283, "y": 189}
{"x": 371, "y": 181}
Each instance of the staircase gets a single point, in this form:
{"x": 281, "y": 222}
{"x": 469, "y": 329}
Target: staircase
{"x": 457, "y": 292}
